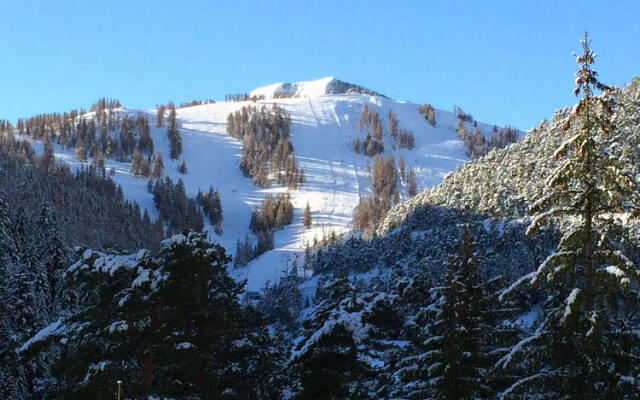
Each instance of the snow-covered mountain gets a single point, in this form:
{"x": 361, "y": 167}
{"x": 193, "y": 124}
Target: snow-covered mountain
{"x": 318, "y": 87}
{"x": 324, "y": 122}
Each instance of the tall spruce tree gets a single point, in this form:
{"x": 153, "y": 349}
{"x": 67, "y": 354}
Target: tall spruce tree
{"x": 587, "y": 345}
{"x": 447, "y": 357}
{"x": 306, "y": 219}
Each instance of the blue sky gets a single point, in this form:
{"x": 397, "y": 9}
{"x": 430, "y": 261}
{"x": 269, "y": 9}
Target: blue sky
{"x": 505, "y": 62}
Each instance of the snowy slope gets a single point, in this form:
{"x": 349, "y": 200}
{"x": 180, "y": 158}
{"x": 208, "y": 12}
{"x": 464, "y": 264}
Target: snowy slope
{"x": 322, "y": 132}
{"x": 315, "y": 88}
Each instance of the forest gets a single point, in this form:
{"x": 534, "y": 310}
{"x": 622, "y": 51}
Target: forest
{"x": 515, "y": 278}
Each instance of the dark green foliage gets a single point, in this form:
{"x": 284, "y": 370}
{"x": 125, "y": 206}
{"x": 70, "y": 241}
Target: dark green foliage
{"x": 182, "y": 167}
{"x": 145, "y": 143}
{"x": 587, "y": 345}
{"x": 327, "y": 359}
{"x": 173, "y": 133}
{"x": 176, "y": 209}
{"x": 273, "y": 214}
{"x": 90, "y": 207}
{"x": 282, "y": 302}
{"x": 454, "y": 335}
{"x": 212, "y": 206}
{"x": 169, "y": 327}
{"x": 108, "y": 132}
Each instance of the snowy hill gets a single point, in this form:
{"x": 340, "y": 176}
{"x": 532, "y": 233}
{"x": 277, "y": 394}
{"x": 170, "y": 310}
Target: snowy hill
{"x": 502, "y": 183}
{"x": 324, "y": 122}
{"x": 319, "y": 87}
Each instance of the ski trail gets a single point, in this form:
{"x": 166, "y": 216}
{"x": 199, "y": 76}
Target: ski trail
{"x": 332, "y": 209}
{"x": 335, "y": 115}
{"x": 313, "y": 112}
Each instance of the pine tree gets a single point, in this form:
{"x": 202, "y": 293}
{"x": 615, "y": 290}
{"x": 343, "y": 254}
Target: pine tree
{"x": 448, "y": 357}
{"x": 160, "y": 115}
{"x": 182, "y": 167}
{"x": 175, "y": 140}
{"x": 53, "y": 254}
{"x": 587, "y": 345}
{"x": 8, "y": 309}
{"x": 306, "y": 219}
{"x": 413, "y": 187}
{"x": 81, "y": 152}
{"x": 327, "y": 358}
{"x": 170, "y": 326}
{"x": 158, "y": 165}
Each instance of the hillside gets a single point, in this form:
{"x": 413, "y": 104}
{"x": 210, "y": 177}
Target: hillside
{"x": 501, "y": 184}
{"x": 324, "y": 122}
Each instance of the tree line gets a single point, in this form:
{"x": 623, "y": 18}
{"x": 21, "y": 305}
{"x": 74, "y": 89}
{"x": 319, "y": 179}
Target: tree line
{"x": 273, "y": 214}
{"x": 267, "y": 152}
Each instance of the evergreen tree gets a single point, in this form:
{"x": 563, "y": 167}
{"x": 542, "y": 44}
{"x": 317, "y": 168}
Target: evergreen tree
{"x": 182, "y": 167}
{"x": 587, "y": 345}
{"x": 139, "y": 165}
{"x": 81, "y": 152}
{"x": 306, "y": 219}
{"x": 448, "y": 357}
{"x": 413, "y": 187}
{"x": 160, "y": 115}
{"x": 8, "y": 383}
{"x": 145, "y": 142}
{"x": 327, "y": 358}
{"x": 173, "y": 133}
{"x": 158, "y": 165}
{"x": 167, "y": 327}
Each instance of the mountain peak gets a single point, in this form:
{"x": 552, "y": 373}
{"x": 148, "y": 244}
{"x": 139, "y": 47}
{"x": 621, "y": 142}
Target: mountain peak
{"x": 315, "y": 88}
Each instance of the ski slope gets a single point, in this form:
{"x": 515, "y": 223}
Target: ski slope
{"x": 324, "y": 125}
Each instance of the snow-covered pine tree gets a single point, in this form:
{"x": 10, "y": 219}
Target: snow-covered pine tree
{"x": 587, "y": 345}
{"x": 168, "y": 327}
{"x": 338, "y": 355}
{"x": 447, "y": 358}
{"x": 18, "y": 312}
{"x": 53, "y": 254}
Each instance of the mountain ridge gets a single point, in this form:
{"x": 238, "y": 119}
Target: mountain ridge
{"x": 313, "y": 88}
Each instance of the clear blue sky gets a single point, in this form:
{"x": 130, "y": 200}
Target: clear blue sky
{"x": 505, "y": 62}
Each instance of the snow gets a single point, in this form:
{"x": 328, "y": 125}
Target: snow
{"x": 506, "y": 360}
{"x": 529, "y": 318}
{"x": 118, "y": 326}
{"x": 516, "y": 284}
{"x": 615, "y": 271}
{"x": 143, "y": 276}
{"x": 570, "y": 303}
{"x": 519, "y": 383}
{"x": 324, "y": 124}
{"x": 41, "y": 335}
{"x": 319, "y": 87}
